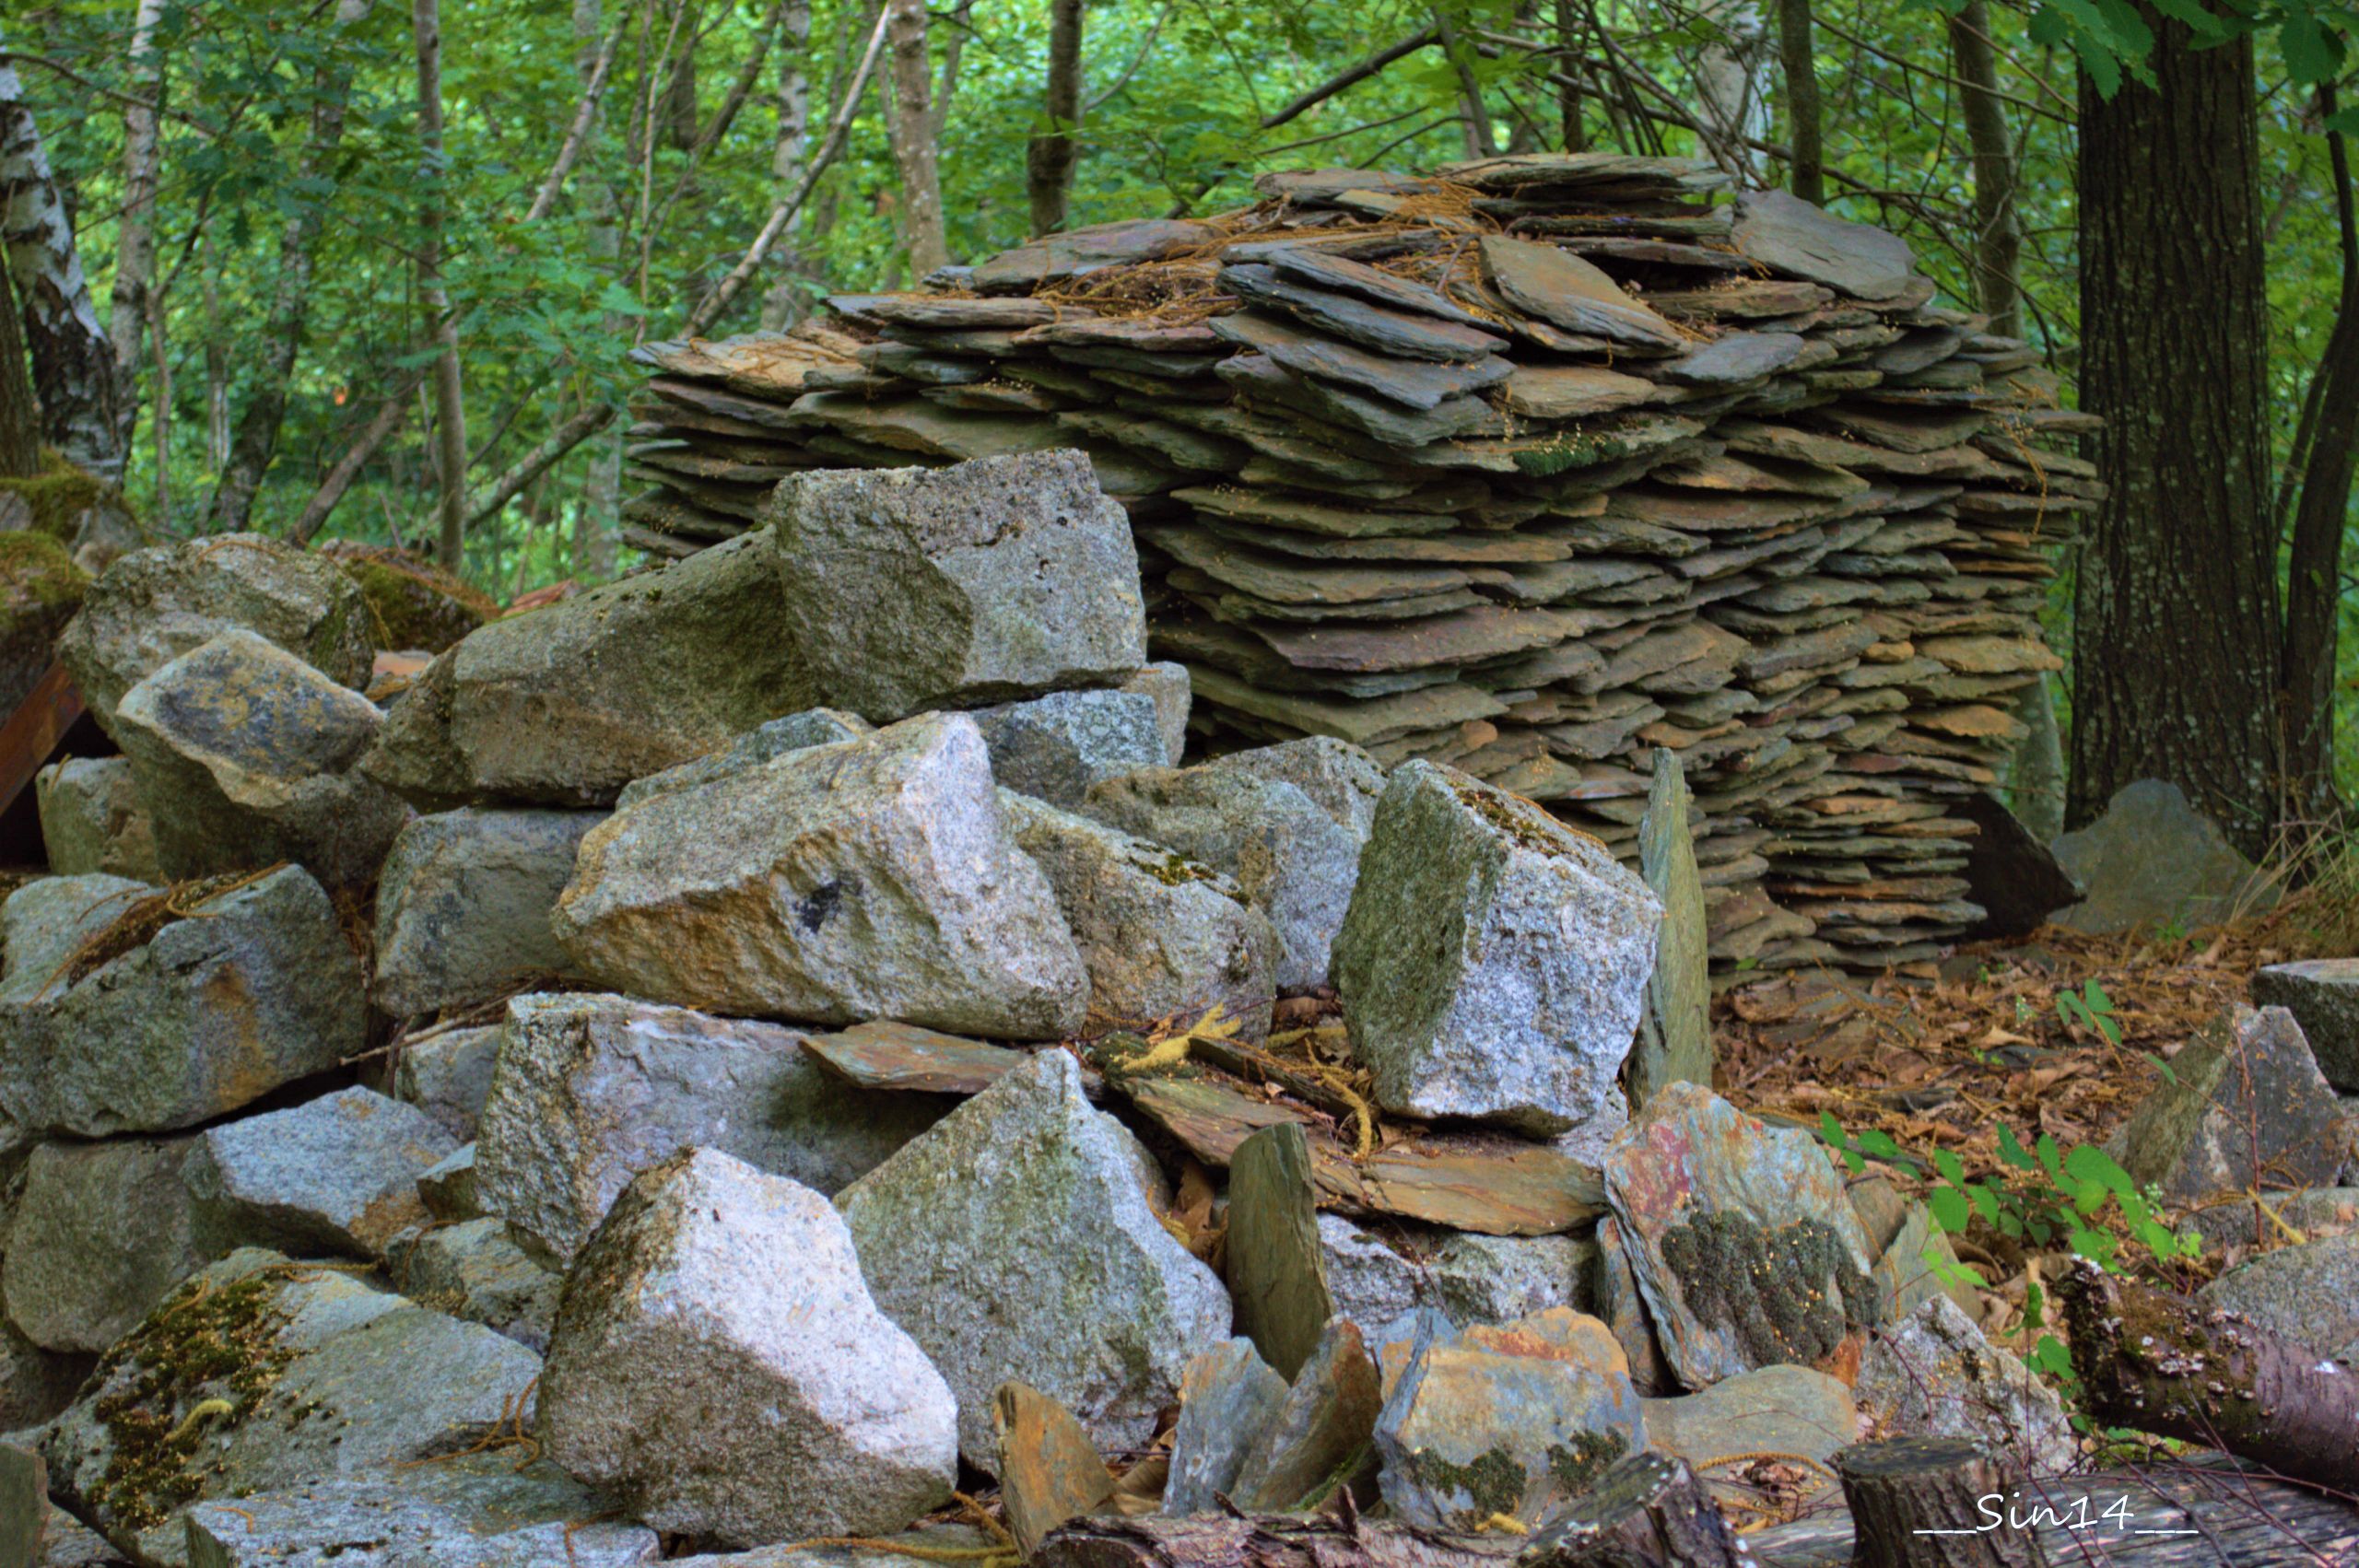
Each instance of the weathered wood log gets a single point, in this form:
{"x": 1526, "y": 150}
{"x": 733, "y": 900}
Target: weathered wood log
{"x": 1648, "y": 1511}
{"x": 2161, "y": 1363}
{"x": 1924, "y": 1503}
{"x": 1275, "y": 1540}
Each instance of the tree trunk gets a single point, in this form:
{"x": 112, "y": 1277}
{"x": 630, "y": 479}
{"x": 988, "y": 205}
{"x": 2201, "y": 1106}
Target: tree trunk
{"x": 915, "y": 149}
{"x": 1572, "y": 122}
{"x": 1476, "y": 120}
{"x": 1998, "y": 236}
{"x": 73, "y": 363}
{"x": 1797, "y": 53}
{"x": 159, "y": 418}
{"x": 449, "y": 407}
{"x": 598, "y": 522}
{"x": 2176, "y": 617}
{"x": 1920, "y": 1502}
{"x": 1048, "y": 161}
{"x": 20, "y": 414}
{"x": 781, "y": 308}
{"x": 135, "y": 247}
{"x": 2154, "y": 1361}
{"x": 679, "y": 111}
{"x": 2327, "y": 454}
{"x": 1732, "y": 85}
{"x": 256, "y": 439}
{"x": 217, "y": 360}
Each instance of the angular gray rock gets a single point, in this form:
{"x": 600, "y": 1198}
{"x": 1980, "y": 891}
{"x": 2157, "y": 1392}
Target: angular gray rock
{"x": 1285, "y": 822}
{"x": 1167, "y": 685}
{"x": 591, "y": 1090}
{"x": 448, "y": 1076}
{"x": 243, "y": 757}
{"x": 1370, "y": 1283}
{"x": 1229, "y": 1397}
{"x": 871, "y": 879}
{"x": 2308, "y": 1293}
{"x": 1492, "y": 1279}
{"x": 1322, "y": 1433}
{"x": 1054, "y": 747}
{"x": 1517, "y": 1419}
{"x": 1932, "y": 1373}
{"x": 43, "y": 923}
{"x": 1675, "y": 1034}
{"x": 337, "y": 1175}
{"x": 718, "y": 1361}
{"x": 463, "y": 905}
{"x": 1493, "y": 962}
{"x": 230, "y": 998}
{"x": 91, "y": 820}
{"x": 153, "y": 605}
{"x": 1017, "y": 1240}
{"x": 794, "y": 733}
{"x": 2323, "y": 995}
{"x": 2153, "y": 860}
{"x": 301, "y": 1338}
{"x": 475, "y": 1270}
{"x": 947, "y": 587}
{"x": 462, "y": 1513}
{"x": 36, "y": 1384}
{"x": 1716, "y": 1216}
{"x": 448, "y": 1187}
{"x": 1160, "y": 934}
{"x": 1776, "y": 1409}
{"x": 566, "y": 704}
{"x": 103, "y": 1232}
{"x": 2244, "y": 1107}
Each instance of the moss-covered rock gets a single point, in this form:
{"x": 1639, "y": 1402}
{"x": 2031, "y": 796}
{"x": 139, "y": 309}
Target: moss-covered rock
{"x": 412, "y": 604}
{"x": 40, "y": 589}
{"x": 75, "y": 508}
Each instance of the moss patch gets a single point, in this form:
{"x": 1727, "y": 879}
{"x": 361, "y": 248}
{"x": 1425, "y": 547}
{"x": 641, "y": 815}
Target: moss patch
{"x": 1577, "y": 1464}
{"x": 60, "y": 494}
{"x": 1770, "y": 1289}
{"x": 412, "y": 604}
{"x": 1493, "y": 1482}
{"x": 37, "y": 572}
{"x": 201, "y": 1361}
{"x": 1509, "y": 818}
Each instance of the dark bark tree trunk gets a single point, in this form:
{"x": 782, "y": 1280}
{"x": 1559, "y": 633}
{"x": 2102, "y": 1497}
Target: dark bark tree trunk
{"x": 1048, "y": 161}
{"x": 679, "y": 111}
{"x": 2176, "y": 621}
{"x": 73, "y": 363}
{"x": 1798, "y": 57}
{"x": 1571, "y": 113}
{"x": 256, "y": 439}
{"x": 1918, "y": 1503}
{"x": 19, "y": 412}
{"x": 2156, "y": 1362}
{"x": 2326, "y": 450}
{"x": 1998, "y": 237}
{"x": 449, "y": 407}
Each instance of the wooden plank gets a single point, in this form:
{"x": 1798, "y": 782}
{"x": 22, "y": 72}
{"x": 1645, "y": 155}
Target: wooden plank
{"x": 34, "y": 730}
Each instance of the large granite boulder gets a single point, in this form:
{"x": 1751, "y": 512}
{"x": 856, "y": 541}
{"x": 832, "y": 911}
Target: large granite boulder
{"x": 1515, "y": 1420}
{"x": 103, "y": 1232}
{"x": 920, "y": 588}
{"x": 588, "y": 1090}
{"x": 1738, "y": 1235}
{"x": 414, "y": 605}
{"x": 260, "y": 1375}
{"x": 2153, "y": 859}
{"x": 1285, "y": 822}
{"x": 2308, "y": 1293}
{"x": 718, "y": 1361}
{"x": 1018, "y": 1240}
{"x": 448, "y": 1075}
{"x": 764, "y": 742}
{"x": 475, "y": 1270}
{"x": 175, "y": 1014}
{"x": 566, "y": 704}
{"x": 91, "y": 819}
{"x": 243, "y": 757}
{"x": 479, "y": 1512}
{"x": 1932, "y": 1373}
{"x": 463, "y": 905}
{"x": 1494, "y": 962}
{"x": 337, "y": 1175}
{"x": 871, "y": 879}
{"x": 155, "y": 604}
{"x": 1161, "y": 935}
{"x": 2323, "y": 995}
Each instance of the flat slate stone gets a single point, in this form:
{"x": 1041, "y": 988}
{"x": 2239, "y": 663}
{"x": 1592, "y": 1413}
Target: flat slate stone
{"x": 1321, "y": 1431}
{"x": 1421, "y": 385}
{"x": 1326, "y": 269}
{"x": 1571, "y": 392}
{"x": 1736, "y": 358}
{"x": 1791, "y": 235}
{"x": 1401, "y": 333}
{"x": 1559, "y": 286}
{"x": 1276, "y": 1274}
{"x": 1229, "y": 1397}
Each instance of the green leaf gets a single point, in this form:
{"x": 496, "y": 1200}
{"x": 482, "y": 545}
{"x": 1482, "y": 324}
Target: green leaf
{"x": 1986, "y": 1202}
{"x": 1953, "y": 1169}
{"x": 2312, "y": 53}
{"x": 1831, "y": 1130}
{"x": 1853, "y": 1163}
{"x": 2048, "y": 1158}
{"x": 2090, "y": 1197}
{"x": 1949, "y": 1209}
{"x": 1880, "y": 1144}
{"x": 2011, "y": 1150}
{"x": 2088, "y": 1162}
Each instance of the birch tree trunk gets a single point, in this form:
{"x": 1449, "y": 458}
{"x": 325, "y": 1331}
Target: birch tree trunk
{"x": 217, "y": 360}
{"x": 256, "y": 439}
{"x": 1049, "y": 160}
{"x": 780, "y": 308}
{"x": 1731, "y": 82}
{"x": 914, "y": 147}
{"x": 595, "y": 523}
{"x": 73, "y": 363}
{"x": 134, "y": 246}
{"x": 450, "y": 409}
{"x": 20, "y": 414}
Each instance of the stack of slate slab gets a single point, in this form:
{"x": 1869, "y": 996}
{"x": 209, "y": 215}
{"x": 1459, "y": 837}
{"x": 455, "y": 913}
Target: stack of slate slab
{"x": 1530, "y": 465}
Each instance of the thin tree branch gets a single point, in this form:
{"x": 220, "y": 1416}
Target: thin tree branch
{"x": 539, "y": 461}
{"x": 1145, "y": 46}
{"x": 130, "y": 100}
{"x": 577, "y": 135}
{"x": 390, "y": 416}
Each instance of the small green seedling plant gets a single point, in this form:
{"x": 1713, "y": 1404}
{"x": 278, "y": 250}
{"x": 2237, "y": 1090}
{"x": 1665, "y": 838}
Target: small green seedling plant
{"x": 2090, "y": 1009}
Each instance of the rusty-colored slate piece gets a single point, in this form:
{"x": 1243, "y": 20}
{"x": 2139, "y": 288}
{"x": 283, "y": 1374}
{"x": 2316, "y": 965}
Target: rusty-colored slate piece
{"x": 885, "y": 1055}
